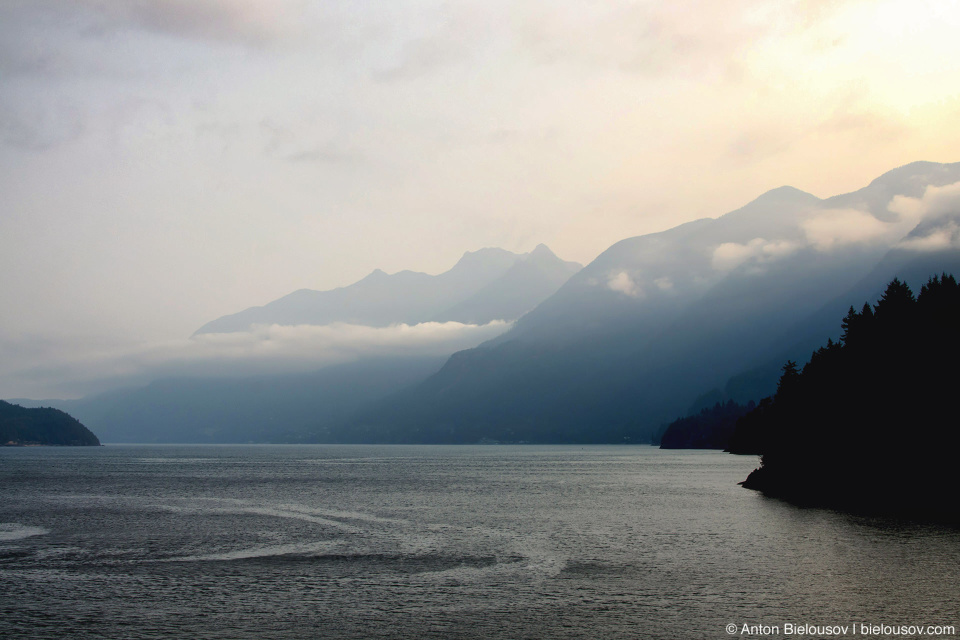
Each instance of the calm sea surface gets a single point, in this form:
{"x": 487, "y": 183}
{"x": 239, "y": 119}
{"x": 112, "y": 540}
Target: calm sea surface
{"x": 439, "y": 542}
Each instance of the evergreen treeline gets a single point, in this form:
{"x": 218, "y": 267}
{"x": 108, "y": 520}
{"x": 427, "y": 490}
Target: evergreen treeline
{"x": 871, "y": 421}
{"x": 19, "y": 426}
{"x": 712, "y": 428}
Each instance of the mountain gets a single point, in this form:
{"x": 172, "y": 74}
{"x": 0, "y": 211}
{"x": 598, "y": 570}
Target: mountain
{"x": 636, "y": 336}
{"x": 801, "y": 339}
{"x": 41, "y": 426}
{"x": 485, "y": 285}
{"x": 272, "y": 408}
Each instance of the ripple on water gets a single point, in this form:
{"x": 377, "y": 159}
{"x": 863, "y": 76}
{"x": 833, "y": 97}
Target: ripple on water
{"x": 10, "y": 531}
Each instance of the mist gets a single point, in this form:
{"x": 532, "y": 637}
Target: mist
{"x": 68, "y": 370}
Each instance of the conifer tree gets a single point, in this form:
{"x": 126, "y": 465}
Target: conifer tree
{"x": 788, "y": 379}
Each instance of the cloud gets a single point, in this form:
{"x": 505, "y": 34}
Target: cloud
{"x": 64, "y": 369}
{"x": 254, "y": 22}
{"x": 40, "y": 126}
{"x": 836, "y": 227}
{"x": 622, "y": 282}
{"x": 940, "y": 239}
{"x": 664, "y": 283}
{"x": 929, "y": 220}
{"x": 756, "y": 145}
{"x": 683, "y": 37}
{"x": 244, "y": 21}
{"x": 321, "y": 154}
{"x": 423, "y": 55}
{"x": 731, "y": 255}
{"x": 938, "y": 213}
{"x": 650, "y": 38}
{"x": 638, "y": 38}
{"x": 936, "y": 202}
{"x": 867, "y": 124}
{"x": 341, "y": 341}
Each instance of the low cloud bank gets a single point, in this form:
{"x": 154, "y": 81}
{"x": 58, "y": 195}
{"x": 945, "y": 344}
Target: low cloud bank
{"x": 927, "y": 223}
{"x": 938, "y": 211}
{"x": 834, "y": 228}
{"x": 72, "y": 368}
{"x": 930, "y": 222}
{"x": 731, "y": 255}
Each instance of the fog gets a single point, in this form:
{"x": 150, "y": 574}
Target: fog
{"x": 73, "y": 369}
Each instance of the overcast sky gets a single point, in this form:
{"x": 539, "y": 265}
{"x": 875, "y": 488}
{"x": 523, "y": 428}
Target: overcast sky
{"x": 165, "y": 162}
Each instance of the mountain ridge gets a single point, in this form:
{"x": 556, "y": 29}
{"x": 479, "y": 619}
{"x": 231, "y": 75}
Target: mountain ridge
{"x": 628, "y": 342}
{"x": 409, "y": 297}
{"x": 638, "y": 334}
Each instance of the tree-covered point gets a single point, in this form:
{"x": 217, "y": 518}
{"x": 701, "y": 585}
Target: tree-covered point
{"x": 20, "y": 427}
{"x": 711, "y": 428}
{"x": 870, "y": 423}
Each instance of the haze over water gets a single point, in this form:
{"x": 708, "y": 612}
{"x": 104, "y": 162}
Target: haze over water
{"x": 445, "y": 542}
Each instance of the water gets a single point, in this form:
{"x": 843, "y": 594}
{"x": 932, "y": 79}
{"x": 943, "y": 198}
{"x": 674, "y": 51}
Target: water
{"x": 438, "y": 542}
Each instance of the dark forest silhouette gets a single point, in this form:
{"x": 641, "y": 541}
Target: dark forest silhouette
{"x": 711, "y": 428}
{"x": 870, "y": 422}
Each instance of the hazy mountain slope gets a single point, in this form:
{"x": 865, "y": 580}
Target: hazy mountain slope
{"x": 531, "y": 279}
{"x": 605, "y": 387}
{"x": 645, "y": 275}
{"x": 485, "y": 285}
{"x": 634, "y": 337}
{"x": 648, "y": 276}
{"x": 799, "y": 342}
{"x": 278, "y": 408}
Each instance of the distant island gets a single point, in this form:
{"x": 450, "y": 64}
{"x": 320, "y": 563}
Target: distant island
{"x": 44, "y": 426}
{"x": 870, "y": 423}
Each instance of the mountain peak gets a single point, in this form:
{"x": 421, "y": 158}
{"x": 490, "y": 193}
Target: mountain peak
{"x": 376, "y": 274}
{"x": 541, "y": 250}
{"x": 543, "y": 258}
{"x": 487, "y": 258}
{"x": 920, "y": 170}
{"x": 486, "y": 252}
{"x": 788, "y": 194}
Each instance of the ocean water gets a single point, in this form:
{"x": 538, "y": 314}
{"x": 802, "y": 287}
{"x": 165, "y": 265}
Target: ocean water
{"x": 440, "y": 542}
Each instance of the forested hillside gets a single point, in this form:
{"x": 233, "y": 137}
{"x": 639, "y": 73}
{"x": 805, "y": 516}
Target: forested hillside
{"x": 20, "y": 426}
{"x": 870, "y": 422}
{"x": 711, "y": 428}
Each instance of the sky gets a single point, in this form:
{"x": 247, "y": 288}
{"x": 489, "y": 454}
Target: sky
{"x": 166, "y": 162}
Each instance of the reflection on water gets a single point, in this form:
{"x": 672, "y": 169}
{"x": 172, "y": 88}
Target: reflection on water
{"x": 471, "y": 542}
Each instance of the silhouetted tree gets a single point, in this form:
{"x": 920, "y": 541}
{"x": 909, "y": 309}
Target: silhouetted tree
{"x": 788, "y": 379}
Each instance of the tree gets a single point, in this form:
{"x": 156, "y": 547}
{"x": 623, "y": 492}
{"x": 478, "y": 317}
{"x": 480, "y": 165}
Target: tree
{"x": 789, "y": 378}
{"x": 848, "y": 324}
{"x": 896, "y": 301}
